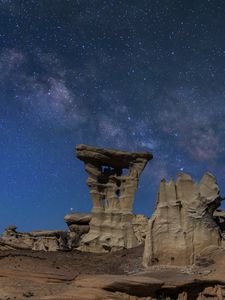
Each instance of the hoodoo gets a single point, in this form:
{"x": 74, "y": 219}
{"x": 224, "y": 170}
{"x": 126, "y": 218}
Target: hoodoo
{"x": 113, "y": 182}
{"x": 183, "y": 224}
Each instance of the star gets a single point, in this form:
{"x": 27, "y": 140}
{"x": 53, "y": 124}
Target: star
{"x": 104, "y": 74}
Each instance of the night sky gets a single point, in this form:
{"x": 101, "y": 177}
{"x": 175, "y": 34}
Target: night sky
{"x": 134, "y": 75}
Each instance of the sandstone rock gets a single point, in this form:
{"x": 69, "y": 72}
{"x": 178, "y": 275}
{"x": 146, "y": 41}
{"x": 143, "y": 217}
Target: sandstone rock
{"x": 46, "y": 244}
{"x": 75, "y": 234}
{"x": 78, "y": 219}
{"x": 112, "y": 192}
{"x": 78, "y": 224}
{"x": 45, "y": 240}
{"x": 75, "y": 275}
{"x": 10, "y": 230}
{"x": 84, "y": 294}
{"x": 13, "y": 245}
{"x": 183, "y": 224}
{"x": 16, "y": 240}
{"x": 140, "y": 223}
{"x": 73, "y": 240}
{"x": 102, "y": 287}
{"x": 79, "y": 229}
{"x": 47, "y": 233}
{"x": 139, "y": 286}
{"x": 182, "y": 296}
{"x": 37, "y": 276}
{"x": 219, "y": 217}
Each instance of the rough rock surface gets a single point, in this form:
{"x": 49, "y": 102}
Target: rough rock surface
{"x": 78, "y": 219}
{"x": 112, "y": 192}
{"x": 78, "y": 224}
{"x": 183, "y": 224}
{"x": 45, "y": 240}
{"x": 219, "y": 217}
{"x": 140, "y": 224}
{"x": 77, "y": 275}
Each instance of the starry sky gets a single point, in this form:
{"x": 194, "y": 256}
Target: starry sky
{"x": 134, "y": 75}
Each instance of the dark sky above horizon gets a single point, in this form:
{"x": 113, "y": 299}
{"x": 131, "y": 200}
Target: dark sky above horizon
{"x": 134, "y": 75}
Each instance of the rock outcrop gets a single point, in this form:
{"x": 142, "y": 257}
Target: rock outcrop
{"x": 78, "y": 224}
{"x": 143, "y": 287}
{"x": 77, "y": 219}
{"x": 44, "y": 240}
{"x": 183, "y": 223}
{"x": 140, "y": 224}
{"x": 113, "y": 181}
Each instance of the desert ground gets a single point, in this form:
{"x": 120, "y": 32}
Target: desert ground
{"x": 77, "y": 275}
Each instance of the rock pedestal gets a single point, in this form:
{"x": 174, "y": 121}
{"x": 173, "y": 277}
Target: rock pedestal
{"x": 113, "y": 181}
{"x": 183, "y": 223}
{"x": 78, "y": 224}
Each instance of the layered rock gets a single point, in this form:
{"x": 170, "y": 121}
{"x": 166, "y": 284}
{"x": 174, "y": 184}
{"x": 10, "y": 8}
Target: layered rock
{"x": 77, "y": 219}
{"x": 44, "y": 240}
{"x": 113, "y": 181}
{"x": 120, "y": 287}
{"x": 78, "y": 224}
{"x": 183, "y": 223}
{"x": 140, "y": 224}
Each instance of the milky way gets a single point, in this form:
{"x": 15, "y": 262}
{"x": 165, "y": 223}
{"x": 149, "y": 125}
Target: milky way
{"x": 134, "y": 75}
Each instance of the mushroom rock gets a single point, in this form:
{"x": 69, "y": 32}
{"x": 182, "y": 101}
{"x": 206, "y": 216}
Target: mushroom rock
{"x": 113, "y": 182}
{"x": 78, "y": 219}
{"x": 183, "y": 223}
{"x": 78, "y": 224}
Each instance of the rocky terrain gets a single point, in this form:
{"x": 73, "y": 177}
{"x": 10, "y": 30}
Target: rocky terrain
{"x": 26, "y": 274}
{"x": 110, "y": 253}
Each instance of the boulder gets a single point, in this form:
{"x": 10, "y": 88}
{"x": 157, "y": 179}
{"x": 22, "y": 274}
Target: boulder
{"x": 78, "y": 219}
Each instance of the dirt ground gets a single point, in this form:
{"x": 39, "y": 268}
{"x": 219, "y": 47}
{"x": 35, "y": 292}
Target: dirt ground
{"x": 30, "y": 274}
{"x": 26, "y": 274}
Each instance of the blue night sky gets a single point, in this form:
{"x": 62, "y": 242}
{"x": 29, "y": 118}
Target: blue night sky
{"x": 134, "y": 75}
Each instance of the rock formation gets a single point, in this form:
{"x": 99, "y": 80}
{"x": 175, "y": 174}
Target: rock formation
{"x": 78, "y": 224}
{"x": 45, "y": 240}
{"x": 219, "y": 217}
{"x": 113, "y": 181}
{"x": 183, "y": 223}
{"x": 140, "y": 224}
{"x": 59, "y": 240}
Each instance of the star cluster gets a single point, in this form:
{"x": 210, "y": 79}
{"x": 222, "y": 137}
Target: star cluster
{"x": 135, "y": 75}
